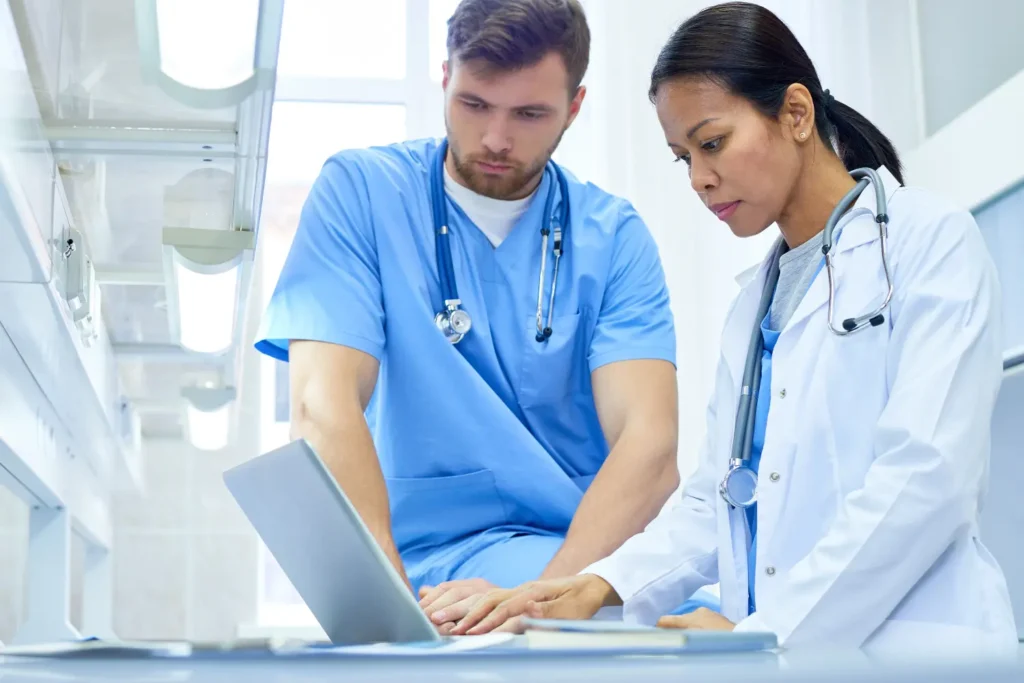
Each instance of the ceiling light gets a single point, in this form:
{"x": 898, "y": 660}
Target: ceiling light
{"x": 206, "y": 308}
{"x": 205, "y": 275}
{"x": 209, "y": 53}
{"x": 208, "y": 416}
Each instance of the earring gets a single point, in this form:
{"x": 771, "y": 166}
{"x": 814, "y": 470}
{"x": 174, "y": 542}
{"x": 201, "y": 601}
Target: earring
{"x": 803, "y": 135}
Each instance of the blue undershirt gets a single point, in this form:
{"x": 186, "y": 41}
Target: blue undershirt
{"x": 797, "y": 270}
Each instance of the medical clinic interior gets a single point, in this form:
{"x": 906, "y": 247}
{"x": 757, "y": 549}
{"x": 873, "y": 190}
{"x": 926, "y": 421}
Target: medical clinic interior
{"x": 575, "y": 340}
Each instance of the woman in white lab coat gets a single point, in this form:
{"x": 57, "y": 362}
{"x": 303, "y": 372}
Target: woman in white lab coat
{"x": 871, "y": 449}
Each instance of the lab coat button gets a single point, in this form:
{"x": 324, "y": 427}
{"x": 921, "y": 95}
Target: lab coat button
{"x": 774, "y": 476}
{"x": 770, "y": 571}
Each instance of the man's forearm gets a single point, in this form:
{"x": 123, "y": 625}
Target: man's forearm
{"x": 629, "y": 491}
{"x": 347, "y": 450}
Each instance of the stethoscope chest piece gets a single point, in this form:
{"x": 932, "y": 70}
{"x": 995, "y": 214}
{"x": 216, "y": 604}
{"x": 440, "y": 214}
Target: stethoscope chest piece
{"x": 453, "y": 322}
{"x": 739, "y": 487}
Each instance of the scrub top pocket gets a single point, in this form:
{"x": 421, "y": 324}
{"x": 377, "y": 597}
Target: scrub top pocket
{"x": 552, "y": 369}
{"x": 428, "y": 511}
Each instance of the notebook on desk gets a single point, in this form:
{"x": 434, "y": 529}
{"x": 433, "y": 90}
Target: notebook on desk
{"x": 560, "y": 634}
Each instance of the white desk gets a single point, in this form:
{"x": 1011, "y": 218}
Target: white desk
{"x": 817, "y": 667}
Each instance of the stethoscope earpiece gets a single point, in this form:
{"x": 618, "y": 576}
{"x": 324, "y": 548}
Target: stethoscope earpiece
{"x": 865, "y": 177}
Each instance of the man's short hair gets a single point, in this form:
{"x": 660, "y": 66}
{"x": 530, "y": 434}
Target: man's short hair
{"x": 515, "y": 34}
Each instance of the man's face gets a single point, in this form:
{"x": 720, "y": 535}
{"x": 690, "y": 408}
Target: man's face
{"x": 503, "y": 126}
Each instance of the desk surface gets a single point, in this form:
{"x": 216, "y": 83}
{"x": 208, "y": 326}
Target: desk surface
{"x": 788, "y": 666}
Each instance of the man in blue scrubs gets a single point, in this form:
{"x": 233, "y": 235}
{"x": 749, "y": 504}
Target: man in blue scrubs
{"x": 499, "y": 459}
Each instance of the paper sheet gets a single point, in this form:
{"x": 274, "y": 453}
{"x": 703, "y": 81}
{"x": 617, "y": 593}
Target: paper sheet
{"x": 445, "y": 647}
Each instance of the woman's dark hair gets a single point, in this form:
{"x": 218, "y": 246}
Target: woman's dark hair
{"x": 753, "y": 54}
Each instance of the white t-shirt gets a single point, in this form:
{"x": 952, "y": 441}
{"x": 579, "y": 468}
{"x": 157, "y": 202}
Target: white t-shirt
{"x": 494, "y": 217}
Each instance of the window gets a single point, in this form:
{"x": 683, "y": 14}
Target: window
{"x": 304, "y": 134}
{"x": 1000, "y": 222}
{"x": 342, "y": 84}
{"x": 343, "y": 39}
{"x": 440, "y": 10}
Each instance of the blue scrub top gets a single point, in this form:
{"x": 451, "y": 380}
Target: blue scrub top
{"x": 764, "y": 398}
{"x": 497, "y": 435}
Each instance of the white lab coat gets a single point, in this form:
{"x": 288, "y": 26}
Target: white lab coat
{"x": 875, "y": 459}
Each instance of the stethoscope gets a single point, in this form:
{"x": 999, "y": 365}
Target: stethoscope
{"x": 453, "y": 321}
{"x": 739, "y": 486}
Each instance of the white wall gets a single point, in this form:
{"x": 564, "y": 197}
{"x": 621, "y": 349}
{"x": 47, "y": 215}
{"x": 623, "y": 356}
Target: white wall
{"x": 967, "y": 50}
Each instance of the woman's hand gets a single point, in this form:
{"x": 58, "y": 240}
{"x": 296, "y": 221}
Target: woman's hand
{"x": 701, "y": 619}
{"x": 576, "y": 597}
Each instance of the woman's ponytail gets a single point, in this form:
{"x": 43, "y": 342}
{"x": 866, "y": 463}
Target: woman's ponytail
{"x": 859, "y": 142}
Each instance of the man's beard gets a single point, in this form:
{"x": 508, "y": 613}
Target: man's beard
{"x": 508, "y": 185}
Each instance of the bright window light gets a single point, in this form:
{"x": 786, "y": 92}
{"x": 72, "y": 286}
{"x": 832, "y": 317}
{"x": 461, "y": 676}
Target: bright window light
{"x": 207, "y": 44}
{"x": 343, "y": 39}
{"x": 206, "y": 308}
{"x": 304, "y": 134}
{"x": 440, "y": 12}
{"x": 208, "y": 430}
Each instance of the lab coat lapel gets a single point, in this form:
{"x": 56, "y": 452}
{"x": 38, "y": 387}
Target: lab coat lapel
{"x": 855, "y": 229}
{"x": 739, "y": 324}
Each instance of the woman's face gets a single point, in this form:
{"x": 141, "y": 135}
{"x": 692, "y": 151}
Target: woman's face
{"x": 743, "y": 164}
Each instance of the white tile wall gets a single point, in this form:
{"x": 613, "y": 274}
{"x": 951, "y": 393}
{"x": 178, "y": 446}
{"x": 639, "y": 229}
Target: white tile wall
{"x": 163, "y": 504}
{"x": 77, "y": 581}
{"x": 150, "y": 585}
{"x": 211, "y": 508}
{"x": 13, "y": 549}
{"x": 224, "y": 589}
{"x": 185, "y": 555}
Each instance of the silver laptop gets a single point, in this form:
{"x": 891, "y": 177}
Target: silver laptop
{"x": 315, "y": 534}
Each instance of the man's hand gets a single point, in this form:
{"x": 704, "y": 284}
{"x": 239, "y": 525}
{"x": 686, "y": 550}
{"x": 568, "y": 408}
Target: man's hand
{"x": 450, "y": 601}
{"x": 701, "y": 619}
{"x": 576, "y": 597}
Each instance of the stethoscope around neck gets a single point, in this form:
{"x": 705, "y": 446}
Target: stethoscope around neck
{"x": 739, "y": 486}
{"x": 453, "y": 320}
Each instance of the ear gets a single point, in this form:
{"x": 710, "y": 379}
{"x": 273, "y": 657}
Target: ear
{"x": 797, "y": 114}
{"x": 575, "y": 104}
{"x": 446, "y": 74}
